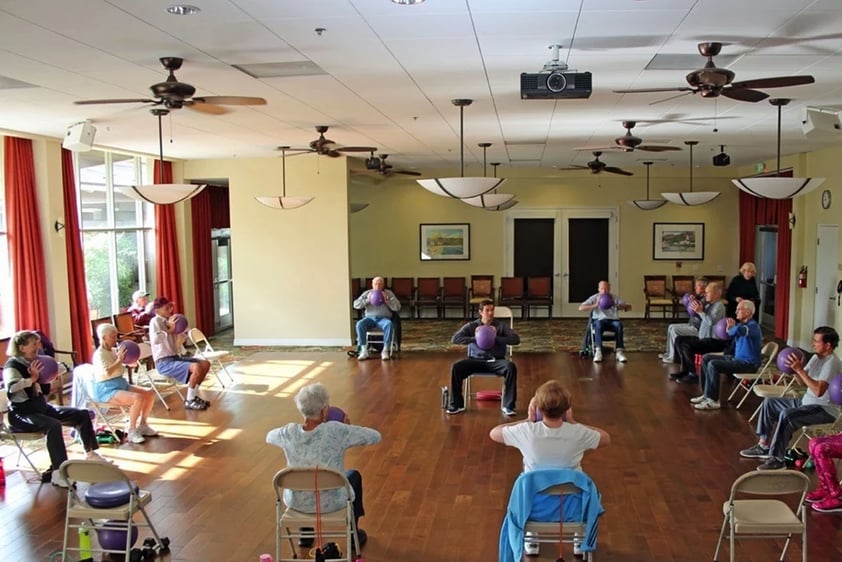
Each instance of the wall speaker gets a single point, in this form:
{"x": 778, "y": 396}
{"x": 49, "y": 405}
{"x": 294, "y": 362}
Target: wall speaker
{"x": 821, "y": 123}
{"x": 79, "y": 137}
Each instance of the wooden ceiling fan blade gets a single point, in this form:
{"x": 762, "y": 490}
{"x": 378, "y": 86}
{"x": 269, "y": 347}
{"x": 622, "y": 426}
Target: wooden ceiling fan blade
{"x": 744, "y": 94}
{"x": 591, "y": 148}
{"x": 208, "y": 108}
{"x": 124, "y": 100}
{"x": 574, "y": 167}
{"x": 406, "y": 172}
{"x": 686, "y": 92}
{"x": 657, "y": 148}
{"x": 355, "y": 148}
{"x": 615, "y": 170}
{"x": 654, "y": 90}
{"x": 230, "y": 100}
{"x": 774, "y": 82}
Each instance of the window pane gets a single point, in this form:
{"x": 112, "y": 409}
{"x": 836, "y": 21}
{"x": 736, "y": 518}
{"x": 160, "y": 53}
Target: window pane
{"x": 97, "y": 273}
{"x": 128, "y": 277}
{"x": 127, "y": 211}
{"x": 92, "y": 189}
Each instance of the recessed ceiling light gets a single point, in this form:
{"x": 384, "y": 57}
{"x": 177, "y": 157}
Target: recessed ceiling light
{"x": 183, "y": 10}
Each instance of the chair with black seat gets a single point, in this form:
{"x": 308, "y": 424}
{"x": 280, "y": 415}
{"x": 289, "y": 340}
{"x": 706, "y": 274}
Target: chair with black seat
{"x": 539, "y": 292}
{"x": 402, "y": 289}
{"x": 657, "y": 295}
{"x": 427, "y": 294}
{"x": 511, "y": 294}
{"x": 481, "y": 289}
{"x": 454, "y": 294}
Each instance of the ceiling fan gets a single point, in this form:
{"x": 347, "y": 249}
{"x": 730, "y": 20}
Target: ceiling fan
{"x": 712, "y": 82}
{"x": 630, "y": 142}
{"x": 596, "y": 166}
{"x": 379, "y": 165}
{"x": 327, "y": 147}
{"x": 173, "y": 94}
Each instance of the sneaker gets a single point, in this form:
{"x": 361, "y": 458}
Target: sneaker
{"x": 756, "y": 451}
{"x": 362, "y": 536}
{"x": 385, "y": 355}
{"x": 667, "y": 359}
{"x": 195, "y": 404}
{"x": 621, "y": 356}
{"x": 202, "y": 401}
{"x": 829, "y": 505}
{"x": 531, "y": 548}
{"x": 597, "y": 356}
{"x": 817, "y": 495}
{"x": 508, "y": 412}
{"x": 57, "y": 480}
{"x": 147, "y": 430}
{"x": 707, "y": 404}
{"x": 697, "y": 399}
{"x": 452, "y": 410}
{"x": 363, "y": 354}
{"x": 136, "y": 436}
{"x": 577, "y": 550}
{"x": 772, "y": 464}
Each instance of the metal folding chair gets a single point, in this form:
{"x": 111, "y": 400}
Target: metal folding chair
{"x": 204, "y": 350}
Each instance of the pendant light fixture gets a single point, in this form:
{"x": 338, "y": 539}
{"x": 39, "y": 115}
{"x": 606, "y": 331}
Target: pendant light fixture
{"x": 356, "y": 207}
{"x": 461, "y": 187}
{"x": 691, "y": 198}
{"x": 162, "y": 193}
{"x": 648, "y": 204}
{"x": 492, "y": 201}
{"x": 777, "y": 187}
{"x": 283, "y": 202}
{"x": 507, "y": 205}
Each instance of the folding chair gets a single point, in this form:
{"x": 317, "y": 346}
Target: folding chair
{"x": 746, "y": 518}
{"x": 337, "y": 525}
{"x": 204, "y": 350}
{"x": 503, "y": 313}
{"x": 818, "y": 430}
{"x": 163, "y": 386}
{"x": 84, "y": 373}
{"x": 18, "y": 438}
{"x": 778, "y": 389}
{"x": 119, "y": 500}
{"x": 747, "y": 381}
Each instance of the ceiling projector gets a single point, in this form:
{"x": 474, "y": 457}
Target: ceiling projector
{"x": 555, "y": 81}
{"x": 721, "y": 159}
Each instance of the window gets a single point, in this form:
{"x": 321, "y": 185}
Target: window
{"x": 7, "y": 300}
{"x": 117, "y": 231}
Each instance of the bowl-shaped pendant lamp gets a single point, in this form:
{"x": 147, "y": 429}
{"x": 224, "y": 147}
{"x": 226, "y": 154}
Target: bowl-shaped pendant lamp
{"x": 648, "y": 204}
{"x": 283, "y": 201}
{"x": 491, "y": 201}
{"x": 691, "y": 198}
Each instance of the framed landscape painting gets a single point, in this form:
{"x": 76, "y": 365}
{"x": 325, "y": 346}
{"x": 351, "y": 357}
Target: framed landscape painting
{"x": 445, "y": 241}
{"x": 678, "y": 241}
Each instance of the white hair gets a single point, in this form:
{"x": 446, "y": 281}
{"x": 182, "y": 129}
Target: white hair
{"x": 104, "y": 329}
{"x": 311, "y": 400}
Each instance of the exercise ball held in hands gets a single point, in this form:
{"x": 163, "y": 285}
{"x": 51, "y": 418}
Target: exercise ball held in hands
{"x": 335, "y": 413}
{"x": 486, "y": 336}
{"x": 834, "y": 390}
{"x": 132, "y": 352}
{"x": 605, "y": 301}
{"x": 783, "y": 359}
{"x": 49, "y": 369}
{"x": 376, "y": 297}
{"x": 180, "y": 323}
{"x": 721, "y": 329}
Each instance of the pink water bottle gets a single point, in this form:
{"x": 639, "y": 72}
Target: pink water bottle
{"x": 265, "y": 558}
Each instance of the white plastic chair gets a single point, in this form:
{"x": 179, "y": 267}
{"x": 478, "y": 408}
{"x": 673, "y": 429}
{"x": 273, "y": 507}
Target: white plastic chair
{"x": 766, "y": 518}
{"x": 337, "y": 525}
{"x": 769, "y": 353}
{"x": 204, "y": 350}
{"x": 502, "y": 313}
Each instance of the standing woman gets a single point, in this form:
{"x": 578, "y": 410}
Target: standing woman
{"x": 29, "y": 410}
{"x": 743, "y": 287}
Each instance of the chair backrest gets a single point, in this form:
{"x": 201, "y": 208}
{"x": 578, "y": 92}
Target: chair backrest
{"x": 655, "y": 286}
{"x": 356, "y": 287}
{"x": 78, "y": 470}
{"x": 771, "y": 483}
{"x": 454, "y": 287}
{"x": 428, "y": 287}
{"x": 505, "y": 313}
{"x": 482, "y": 286}
{"x": 309, "y": 479}
{"x": 95, "y": 323}
{"x": 768, "y": 352}
{"x": 199, "y": 339}
{"x": 402, "y": 288}
{"x": 683, "y": 284}
{"x": 511, "y": 288}
{"x": 539, "y": 287}
{"x": 124, "y": 323}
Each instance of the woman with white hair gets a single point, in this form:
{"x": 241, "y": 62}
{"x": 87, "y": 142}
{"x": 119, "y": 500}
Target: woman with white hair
{"x": 319, "y": 442}
{"x": 743, "y": 287}
{"x": 111, "y": 386}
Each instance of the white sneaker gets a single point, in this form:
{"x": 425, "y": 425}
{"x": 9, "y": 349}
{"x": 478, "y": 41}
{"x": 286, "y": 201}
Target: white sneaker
{"x": 385, "y": 355}
{"x": 697, "y": 399}
{"x": 531, "y": 548}
{"x": 597, "y": 356}
{"x": 621, "y": 356}
{"x": 707, "y": 404}
{"x": 667, "y": 359}
{"x": 57, "y": 480}
{"x": 147, "y": 430}
{"x": 363, "y": 354}
{"x": 135, "y": 436}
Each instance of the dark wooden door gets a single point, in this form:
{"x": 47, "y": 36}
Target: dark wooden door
{"x": 588, "y": 256}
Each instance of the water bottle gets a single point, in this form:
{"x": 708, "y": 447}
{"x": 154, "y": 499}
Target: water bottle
{"x": 85, "y": 541}
{"x": 445, "y": 398}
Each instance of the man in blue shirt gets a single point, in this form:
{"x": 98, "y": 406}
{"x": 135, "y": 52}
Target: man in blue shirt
{"x": 746, "y": 358}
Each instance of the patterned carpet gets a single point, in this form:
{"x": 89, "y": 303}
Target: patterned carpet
{"x": 535, "y": 336}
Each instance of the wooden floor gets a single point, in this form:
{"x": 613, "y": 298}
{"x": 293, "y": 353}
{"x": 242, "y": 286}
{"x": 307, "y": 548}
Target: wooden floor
{"x": 436, "y": 488}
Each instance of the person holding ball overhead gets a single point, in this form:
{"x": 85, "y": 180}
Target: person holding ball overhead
{"x": 379, "y": 303}
{"x": 603, "y": 307}
{"x": 487, "y": 339}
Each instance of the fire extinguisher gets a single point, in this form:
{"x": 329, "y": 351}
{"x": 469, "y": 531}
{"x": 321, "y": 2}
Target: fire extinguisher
{"x": 802, "y": 277}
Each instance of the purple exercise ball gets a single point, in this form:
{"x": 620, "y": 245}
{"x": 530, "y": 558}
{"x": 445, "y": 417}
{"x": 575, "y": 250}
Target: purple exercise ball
{"x": 335, "y": 413}
{"x": 132, "y": 352}
{"x": 49, "y": 369}
{"x": 605, "y": 301}
{"x": 180, "y": 323}
{"x": 115, "y": 539}
{"x": 783, "y": 359}
{"x": 486, "y": 337}
{"x": 376, "y": 297}
{"x": 685, "y": 299}
{"x": 721, "y": 329}
{"x": 835, "y": 390}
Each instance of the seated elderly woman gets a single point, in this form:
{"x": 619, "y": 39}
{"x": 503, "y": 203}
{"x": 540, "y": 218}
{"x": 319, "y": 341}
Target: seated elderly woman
{"x": 319, "y": 442}
{"x": 110, "y": 386}
{"x": 29, "y": 410}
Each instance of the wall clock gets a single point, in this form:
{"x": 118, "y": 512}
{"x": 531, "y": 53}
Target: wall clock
{"x": 826, "y": 199}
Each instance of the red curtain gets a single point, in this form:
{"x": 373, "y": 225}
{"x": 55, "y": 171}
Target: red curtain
{"x": 168, "y": 275}
{"x": 201, "y": 210}
{"x": 26, "y": 251}
{"x": 80, "y": 319}
{"x": 758, "y": 211}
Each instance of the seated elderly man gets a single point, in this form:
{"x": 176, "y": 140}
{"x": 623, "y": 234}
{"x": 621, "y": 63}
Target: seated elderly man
{"x": 141, "y": 309}
{"x": 689, "y": 328}
{"x": 791, "y": 414}
{"x": 379, "y": 303}
{"x": 606, "y": 318}
{"x": 711, "y": 311}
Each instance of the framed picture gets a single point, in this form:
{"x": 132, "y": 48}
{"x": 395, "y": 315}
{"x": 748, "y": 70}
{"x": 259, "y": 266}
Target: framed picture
{"x": 678, "y": 241}
{"x": 445, "y": 241}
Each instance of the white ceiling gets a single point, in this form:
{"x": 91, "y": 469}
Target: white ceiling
{"x": 392, "y": 70}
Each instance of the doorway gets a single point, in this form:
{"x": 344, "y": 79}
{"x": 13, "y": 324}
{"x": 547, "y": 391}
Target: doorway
{"x": 827, "y": 247}
{"x": 223, "y": 290}
{"x": 766, "y": 261}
